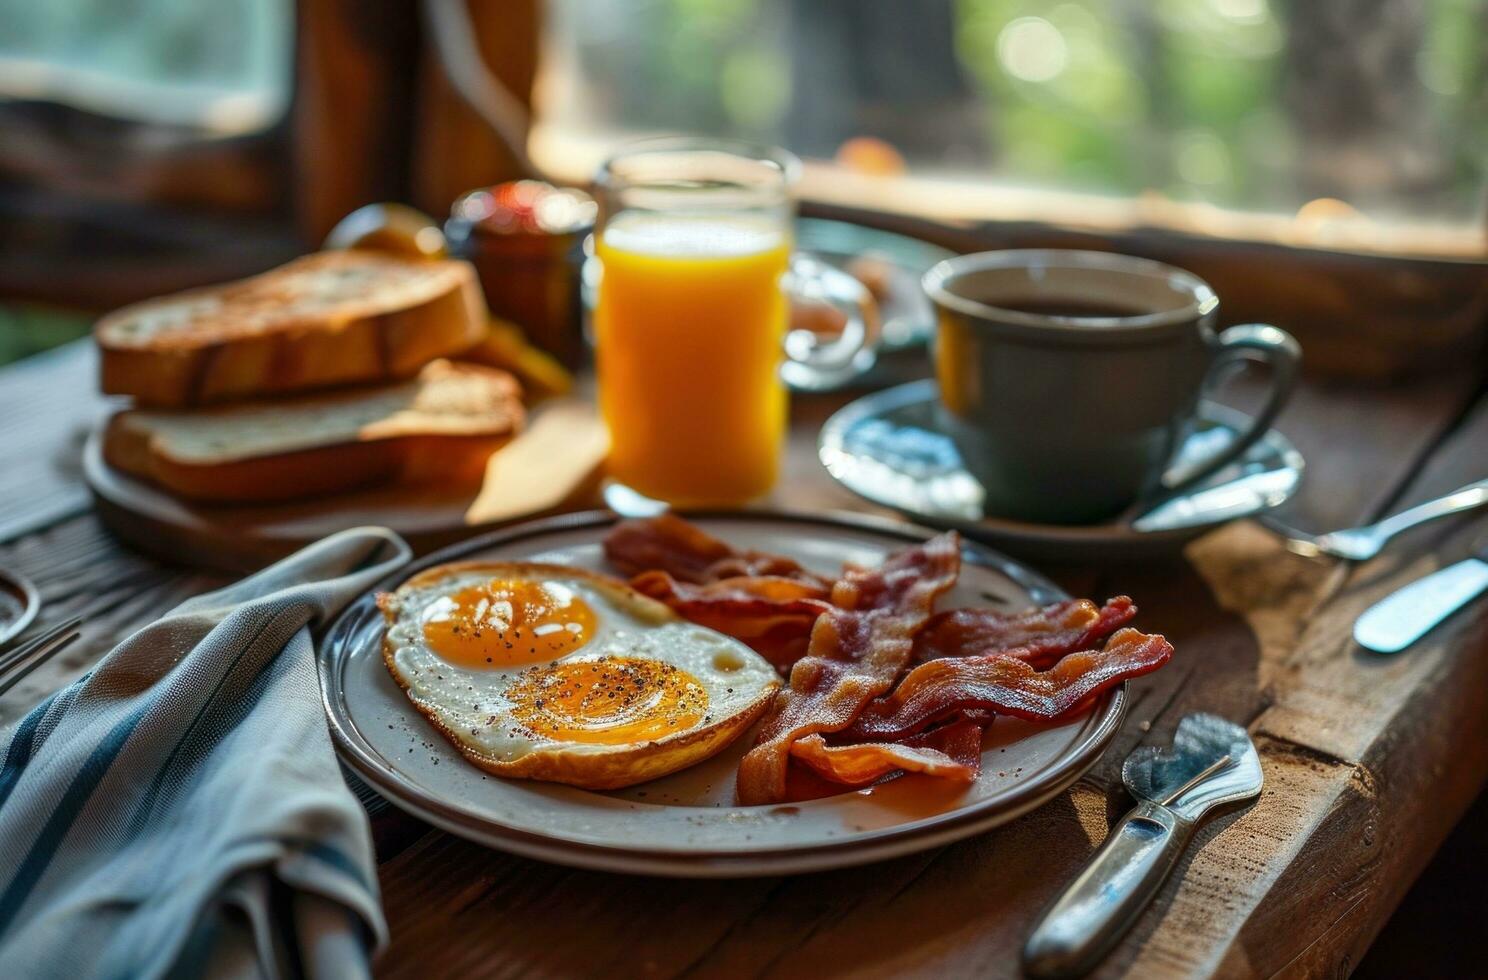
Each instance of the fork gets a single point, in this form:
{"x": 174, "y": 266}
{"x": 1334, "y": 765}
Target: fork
{"x": 19, "y": 661}
{"x": 1363, "y": 543}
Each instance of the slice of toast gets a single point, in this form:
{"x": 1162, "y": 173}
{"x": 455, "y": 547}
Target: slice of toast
{"x": 332, "y": 318}
{"x": 440, "y": 427}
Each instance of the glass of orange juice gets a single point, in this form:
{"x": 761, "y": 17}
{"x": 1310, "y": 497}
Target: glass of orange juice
{"x": 694, "y": 246}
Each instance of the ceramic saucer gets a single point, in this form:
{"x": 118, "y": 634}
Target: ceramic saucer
{"x": 887, "y": 448}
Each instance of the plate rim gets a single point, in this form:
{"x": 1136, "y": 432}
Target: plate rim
{"x": 332, "y": 645}
{"x": 829, "y": 443}
{"x": 24, "y": 589}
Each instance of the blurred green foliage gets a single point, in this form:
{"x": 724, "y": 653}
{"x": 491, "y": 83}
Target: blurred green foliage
{"x": 1205, "y": 100}
{"x": 1161, "y": 95}
{"x": 29, "y": 329}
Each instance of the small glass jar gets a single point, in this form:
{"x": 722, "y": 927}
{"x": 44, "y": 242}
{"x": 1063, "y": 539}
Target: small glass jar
{"x": 525, "y": 239}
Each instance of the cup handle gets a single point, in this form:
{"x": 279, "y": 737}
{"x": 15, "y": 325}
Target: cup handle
{"x": 1247, "y": 342}
{"x": 814, "y": 364}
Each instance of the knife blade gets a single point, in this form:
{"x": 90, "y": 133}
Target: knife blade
{"x": 1410, "y": 612}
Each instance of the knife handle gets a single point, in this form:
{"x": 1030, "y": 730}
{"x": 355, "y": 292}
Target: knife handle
{"x": 1102, "y": 903}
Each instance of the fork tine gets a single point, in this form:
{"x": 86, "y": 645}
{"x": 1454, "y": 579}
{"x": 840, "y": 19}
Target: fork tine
{"x": 18, "y": 673}
{"x": 16, "y": 664}
{"x": 46, "y": 636}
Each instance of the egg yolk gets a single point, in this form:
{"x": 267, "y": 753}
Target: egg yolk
{"x": 608, "y": 701}
{"x": 500, "y": 623}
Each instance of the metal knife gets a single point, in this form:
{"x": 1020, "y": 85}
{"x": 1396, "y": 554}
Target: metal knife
{"x": 1212, "y": 762}
{"x": 1409, "y": 613}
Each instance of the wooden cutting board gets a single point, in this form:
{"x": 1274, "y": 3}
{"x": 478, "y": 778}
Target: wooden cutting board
{"x": 555, "y": 465}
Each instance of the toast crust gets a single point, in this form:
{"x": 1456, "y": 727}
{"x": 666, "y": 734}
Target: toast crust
{"x": 454, "y": 461}
{"x": 272, "y": 335}
{"x": 598, "y": 770}
{"x": 388, "y": 451}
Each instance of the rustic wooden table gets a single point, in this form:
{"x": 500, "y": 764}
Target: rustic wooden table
{"x": 1368, "y": 760}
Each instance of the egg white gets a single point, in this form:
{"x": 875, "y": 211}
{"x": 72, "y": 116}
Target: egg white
{"x": 474, "y": 708}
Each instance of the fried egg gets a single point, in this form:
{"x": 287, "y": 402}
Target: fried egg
{"x": 558, "y": 673}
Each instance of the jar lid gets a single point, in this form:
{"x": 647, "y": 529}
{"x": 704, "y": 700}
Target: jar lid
{"x": 525, "y": 207}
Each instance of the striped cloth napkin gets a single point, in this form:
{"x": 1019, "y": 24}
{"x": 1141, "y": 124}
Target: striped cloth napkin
{"x": 179, "y": 811}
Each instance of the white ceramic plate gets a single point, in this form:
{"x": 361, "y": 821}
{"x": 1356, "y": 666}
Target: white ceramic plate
{"x": 687, "y": 824}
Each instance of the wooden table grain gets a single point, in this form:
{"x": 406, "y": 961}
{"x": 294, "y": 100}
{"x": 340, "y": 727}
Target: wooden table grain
{"x": 1369, "y": 760}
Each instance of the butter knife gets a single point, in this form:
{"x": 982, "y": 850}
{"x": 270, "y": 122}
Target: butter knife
{"x": 1212, "y": 763}
{"x": 1409, "y": 613}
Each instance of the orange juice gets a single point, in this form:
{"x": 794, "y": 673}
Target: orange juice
{"x": 689, "y": 326}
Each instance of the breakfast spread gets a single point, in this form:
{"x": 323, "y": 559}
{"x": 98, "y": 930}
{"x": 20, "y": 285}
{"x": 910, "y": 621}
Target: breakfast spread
{"x": 378, "y": 362}
{"x": 556, "y": 673}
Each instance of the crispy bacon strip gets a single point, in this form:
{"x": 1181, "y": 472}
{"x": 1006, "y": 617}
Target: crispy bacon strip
{"x": 773, "y": 615}
{"x": 782, "y": 645}
{"x": 857, "y": 649}
{"x": 953, "y": 752}
{"x": 1038, "y": 635}
{"x": 666, "y": 542}
{"x": 768, "y": 601}
{"x": 689, "y": 554}
{"x": 1008, "y": 685}
{"x": 743, "y": 598}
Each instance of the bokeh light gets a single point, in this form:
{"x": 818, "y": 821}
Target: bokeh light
{"x": 1032, "y": 49}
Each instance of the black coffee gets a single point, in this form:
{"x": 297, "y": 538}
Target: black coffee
{"x": 1081, "y": 309}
